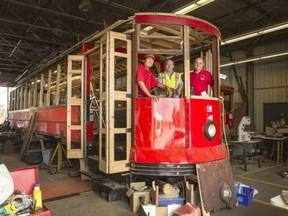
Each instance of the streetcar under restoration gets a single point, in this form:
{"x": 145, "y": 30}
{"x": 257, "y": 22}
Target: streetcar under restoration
{"x": 94, "y": 101}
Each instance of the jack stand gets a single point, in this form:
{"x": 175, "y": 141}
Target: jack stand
{"x": 59, "y": 150}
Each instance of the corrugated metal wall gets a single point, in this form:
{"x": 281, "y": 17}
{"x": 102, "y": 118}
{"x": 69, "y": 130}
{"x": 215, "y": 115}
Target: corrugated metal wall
{"x": 229, "y": 71}
{"x": 270, "y": 79}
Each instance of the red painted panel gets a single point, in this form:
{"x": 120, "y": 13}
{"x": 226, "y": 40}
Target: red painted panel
{"x": 159, "y": 156}
{"x": 178, "y": 20}
{"x": 201, "y": 111}
{"x": 205, "y": 154}
{"x": 51, "y": 121}
{"x": 159, "y": 125}
{"x": 172, "y": 131}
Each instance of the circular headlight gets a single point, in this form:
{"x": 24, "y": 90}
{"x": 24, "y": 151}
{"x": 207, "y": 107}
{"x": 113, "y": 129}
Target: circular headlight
{"x": 225, "y": 193}
{"x": 210, "y": 130}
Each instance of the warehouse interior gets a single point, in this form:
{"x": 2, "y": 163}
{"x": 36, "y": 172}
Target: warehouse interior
{"x": 42, "y": 40}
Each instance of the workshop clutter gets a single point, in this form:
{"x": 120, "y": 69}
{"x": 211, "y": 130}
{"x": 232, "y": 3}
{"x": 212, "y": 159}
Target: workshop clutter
{"x": 27, "y": 196}
{"x": 244, "y": 193}
{"x": 166, "y": 202}
{"x": 17, "y": 203}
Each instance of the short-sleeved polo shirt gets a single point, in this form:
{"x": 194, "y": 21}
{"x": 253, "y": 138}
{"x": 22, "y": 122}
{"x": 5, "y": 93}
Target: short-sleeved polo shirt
{"x": 145, "y": 75}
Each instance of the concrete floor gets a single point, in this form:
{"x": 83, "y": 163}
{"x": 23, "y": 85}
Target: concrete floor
{"x": 71, "y": 196}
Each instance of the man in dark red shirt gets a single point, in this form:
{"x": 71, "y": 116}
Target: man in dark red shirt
{"x": 200, "y": 79}
{"x": 146, "y": 80}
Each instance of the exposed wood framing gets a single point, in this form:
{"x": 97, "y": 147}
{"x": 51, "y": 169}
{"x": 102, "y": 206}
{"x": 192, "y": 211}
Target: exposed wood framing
{"x": 25, "y": 102}
{"x": 41, "y": 90}
{"x": 21, "y": 97}
{"x": 57, "y": 93}
{"x": 75, "y": 152}
{"x": 29, "y": 94}
{"x": 186, "y": 62}
{"x": 35, "y": 92}
{"x": 48, "y": 88}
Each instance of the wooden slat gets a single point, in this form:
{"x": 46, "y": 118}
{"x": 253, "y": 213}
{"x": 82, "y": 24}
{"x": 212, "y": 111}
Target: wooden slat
{"x": 165, "y": 37}
{"x": 74, "y": 127}
{"x": 21, "y": 96}
{"x": 186, "y": 63}
{"x": 28, "y": 135}
{"x": 25, "y": 98}
{"x": 57, "y": 93}
{"x": 75, "y": 153}
{"x": 48, "y": 89}
{"x": 35, "y": 93}
{"x": 161, "y": 51}
{"x": 29, "y": 95}
{"x": 41, "y": 90}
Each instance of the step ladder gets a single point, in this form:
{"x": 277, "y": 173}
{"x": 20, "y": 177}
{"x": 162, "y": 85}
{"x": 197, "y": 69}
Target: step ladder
{"x": 94, "y": 106}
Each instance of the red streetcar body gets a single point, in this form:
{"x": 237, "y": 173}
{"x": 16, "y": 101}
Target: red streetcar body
{"x": 117, "y": 130}
{"x": 172, "y": 131}
{"x": 51, "y": 121}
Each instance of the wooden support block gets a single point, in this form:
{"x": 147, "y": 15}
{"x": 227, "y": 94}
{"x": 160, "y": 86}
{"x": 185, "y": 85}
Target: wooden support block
{"x": 155, "y": 194}
{"x": 189, "y": 193}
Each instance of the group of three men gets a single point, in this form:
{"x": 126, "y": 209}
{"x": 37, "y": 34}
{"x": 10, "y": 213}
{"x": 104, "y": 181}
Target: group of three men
{"x": 170, "y": 80}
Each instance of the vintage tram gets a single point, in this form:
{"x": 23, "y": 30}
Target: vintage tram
{"x": 90, "y": 99}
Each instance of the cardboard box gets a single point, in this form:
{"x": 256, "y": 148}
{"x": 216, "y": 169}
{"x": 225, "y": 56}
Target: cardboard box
{"x": 139, "y": 198}
{"x": 152, "y": 210}
{"x": 147, "y": 210}
{"x": 161, "y": 211}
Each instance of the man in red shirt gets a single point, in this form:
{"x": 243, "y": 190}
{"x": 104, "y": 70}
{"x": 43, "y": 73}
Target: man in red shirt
{"x": 146, "y": 80}
{"x": 200, "y": 79}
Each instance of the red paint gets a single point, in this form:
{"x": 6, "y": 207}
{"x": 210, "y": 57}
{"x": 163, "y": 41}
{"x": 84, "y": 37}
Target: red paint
{"x": 172, "y": 131}
{"x": 178, "y": 20}
{"x": 51, "y": 121}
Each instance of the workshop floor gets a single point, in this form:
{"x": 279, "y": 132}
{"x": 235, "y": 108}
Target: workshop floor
{"x": 71, "y": 196}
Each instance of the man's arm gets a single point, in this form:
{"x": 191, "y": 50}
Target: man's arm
{"x": 142, "y": 85}
{"x": 180, "y": 87}
{"x": 169, "y": 91}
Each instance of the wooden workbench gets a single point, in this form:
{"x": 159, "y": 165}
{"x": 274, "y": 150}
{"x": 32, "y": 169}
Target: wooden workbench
{"x": 280, "y": 144}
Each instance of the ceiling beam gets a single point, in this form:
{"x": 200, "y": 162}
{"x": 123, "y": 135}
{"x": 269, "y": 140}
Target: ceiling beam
{"x": 40, "y": 27}
{"x": 14, "y": 60}
{"x": 11, "y": 70}
{"x": 12, "y": 65}
{"x": 30, "y": 39}
{"x": 123, "y": 8}
{"x": 21, "y": 47}
{"x": 55, "y": 12}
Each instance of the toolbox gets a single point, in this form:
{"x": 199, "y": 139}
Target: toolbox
{"x": 24, "y": 180}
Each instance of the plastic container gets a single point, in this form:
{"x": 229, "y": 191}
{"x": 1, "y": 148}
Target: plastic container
{"x": 37, "y": 198}
{"x": 162, "y": 202}
{"x": 245, "y": 195}
{"x": 46, "y": 155}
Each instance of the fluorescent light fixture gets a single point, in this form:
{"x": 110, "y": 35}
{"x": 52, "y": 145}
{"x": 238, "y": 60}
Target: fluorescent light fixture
{"x": 255, "y": 33}
{"x": 272, "y": 29}
{"x": 252, "y": 59}
{"x": 193, "y": 6}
